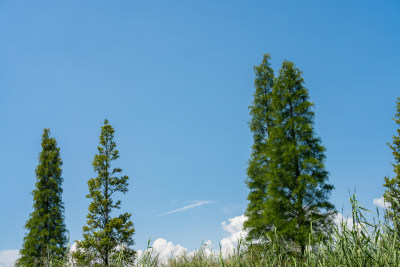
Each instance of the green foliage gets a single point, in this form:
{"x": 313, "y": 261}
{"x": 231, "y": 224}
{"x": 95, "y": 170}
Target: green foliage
{"x": 104, "y": 236}
{"x": 297, "y": 183}
{"x": 359, "y": 244}
{"x": 46, "y": 237}
{"x": 260, "y": 126}
{"x": 392, "y": 193}
{"x": 287, "y": 177}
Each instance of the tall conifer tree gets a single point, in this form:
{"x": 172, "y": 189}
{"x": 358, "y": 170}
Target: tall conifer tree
{"x": 297, "y": 180}
{"x": 104, "y": 236}
{"x": 260, "y": 125}
{"x": 286, "y": 174}
{"x": 392, "y": 193}
{"x": 46, "y": 237}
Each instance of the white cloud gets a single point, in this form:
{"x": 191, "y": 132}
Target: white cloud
{"x": 339, "y": 218}
{"x": 191, "y": 206}
{"x": 381, "y": 203}
{"x": 73, "y": 247}
{"x": 235, "y": 228}
{"x": 139, "y": 253}
{"x": 8, "y": 257}
{"x": 166, "y": 250}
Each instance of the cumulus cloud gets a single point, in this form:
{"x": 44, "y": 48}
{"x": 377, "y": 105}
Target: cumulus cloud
{"x": 381, "y": 202}
{"x": 73, "y": 247}
{"x": 339, "y": 219}
{"x": 8, "y": 257}
{"x": 234, "y": 227}
{"x": 167, "y": 250}
{"x": 164, "y": 250}
{"x": 348, "y": 221}
{"x": 191, "y": 206}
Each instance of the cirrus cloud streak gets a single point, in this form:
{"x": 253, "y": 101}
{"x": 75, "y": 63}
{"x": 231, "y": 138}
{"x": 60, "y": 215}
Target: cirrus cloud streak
{"x": 191, "y": 206}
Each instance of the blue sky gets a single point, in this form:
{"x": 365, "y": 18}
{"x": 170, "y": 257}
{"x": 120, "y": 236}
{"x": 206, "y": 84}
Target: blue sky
{"x": 175, "y": 79}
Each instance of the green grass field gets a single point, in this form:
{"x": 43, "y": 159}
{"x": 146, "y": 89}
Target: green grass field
{"x": 361, "y": 244}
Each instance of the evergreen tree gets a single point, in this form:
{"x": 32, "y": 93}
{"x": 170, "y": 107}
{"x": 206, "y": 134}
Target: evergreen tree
{"x": 260, "y": 125}
{"x": 392, "y": 193}
{"x": 286, "y": 173}
{"x": 105, "y": 236}
{"x": 297, "y": 189}
{"x": 46, "y": 237}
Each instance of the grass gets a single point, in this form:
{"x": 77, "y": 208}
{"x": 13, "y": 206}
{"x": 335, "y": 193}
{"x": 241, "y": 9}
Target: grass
{"x": 362, "y": 244}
